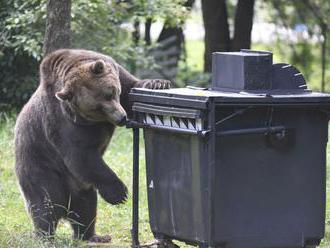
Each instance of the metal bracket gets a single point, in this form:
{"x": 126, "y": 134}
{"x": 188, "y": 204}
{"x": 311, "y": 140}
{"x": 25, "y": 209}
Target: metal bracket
{"x": 135, "y": 200}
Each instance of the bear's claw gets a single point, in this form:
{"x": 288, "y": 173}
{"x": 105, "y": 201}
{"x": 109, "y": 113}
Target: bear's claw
{"x": 156, "y": 84}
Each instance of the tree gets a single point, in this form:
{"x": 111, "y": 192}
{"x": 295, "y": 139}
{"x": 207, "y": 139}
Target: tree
{"x": 21, "y": 34}
{"x": 176, "y": 31}
{"x": 243, "y": 25}
{"x": 58, "y": 25}
{"x": 216, "y": 27}
{"x": 217, "y": 31}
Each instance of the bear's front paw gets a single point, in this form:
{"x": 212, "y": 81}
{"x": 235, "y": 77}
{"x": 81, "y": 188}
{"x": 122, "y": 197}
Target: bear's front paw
{"x": 114, "y": 193}
{"x": 155, "y": 84}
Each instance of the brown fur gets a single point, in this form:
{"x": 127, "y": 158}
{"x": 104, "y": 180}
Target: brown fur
{"x": 62, "y": 133}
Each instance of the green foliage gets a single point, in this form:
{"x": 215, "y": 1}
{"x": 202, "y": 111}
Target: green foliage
{"x": 109, "y": 21}
{"x": 21, "y": 32}
{"x": 303, "y": 57}
{"x": 96, "y": 24}
{"x": 18, "y": 78}
{"x": 290, "y": 13}
{"x": 188, "y": 75}
{"x": 172, "y": 11}
{"x": 23, "y": 27}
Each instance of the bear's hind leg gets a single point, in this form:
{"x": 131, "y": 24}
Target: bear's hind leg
{"x": 82, "y": 215}
{"x": 45, "y": 212}
{"x": 44, "y": 221}
{"x": 46, "y": 198}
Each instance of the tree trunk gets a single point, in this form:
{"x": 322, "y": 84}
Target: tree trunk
{"x": 147, "y": 36}
{"x": 323, "y": 56}
{"x": 136, "y": 32}
{"x": 136, "y": 39}
{"x": 217, "y": 37}
{"x": 168, "y": 32}
{"x": 243, "y": 25}
{"x": 171, "y": 41}
{"x": 58, "y": 25}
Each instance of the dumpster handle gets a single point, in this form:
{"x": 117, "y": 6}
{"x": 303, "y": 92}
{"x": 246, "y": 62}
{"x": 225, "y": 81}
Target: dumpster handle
{"x": 257, "y": 130}
{"x": 135, "y": 124}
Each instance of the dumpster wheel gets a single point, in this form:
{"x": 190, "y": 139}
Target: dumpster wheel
{"x": 312, "y": 243}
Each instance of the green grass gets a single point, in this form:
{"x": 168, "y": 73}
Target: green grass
{"x": 195, "y": 55}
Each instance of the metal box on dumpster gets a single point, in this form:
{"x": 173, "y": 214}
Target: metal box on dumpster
{"x": 241, "y": 168}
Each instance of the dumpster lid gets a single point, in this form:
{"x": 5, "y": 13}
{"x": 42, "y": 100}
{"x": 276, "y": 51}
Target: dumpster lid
{"x": 169, "y": 96}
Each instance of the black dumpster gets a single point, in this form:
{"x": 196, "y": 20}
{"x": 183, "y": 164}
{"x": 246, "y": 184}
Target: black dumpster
{"x": 240, "y": 165}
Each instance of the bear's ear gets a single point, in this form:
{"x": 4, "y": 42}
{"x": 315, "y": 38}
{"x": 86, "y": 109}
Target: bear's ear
{"x": 63, "y": 95}
{"x": 98, "y": 67}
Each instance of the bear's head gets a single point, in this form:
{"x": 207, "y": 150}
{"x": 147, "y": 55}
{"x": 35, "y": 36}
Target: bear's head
{"x": 88, "y": 83}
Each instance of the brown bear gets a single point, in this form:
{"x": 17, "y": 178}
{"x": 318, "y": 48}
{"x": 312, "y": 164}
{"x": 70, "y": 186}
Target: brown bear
{"x": 62, "y": 133}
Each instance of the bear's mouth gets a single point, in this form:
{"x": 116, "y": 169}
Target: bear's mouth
{"x": 122, "y": 122}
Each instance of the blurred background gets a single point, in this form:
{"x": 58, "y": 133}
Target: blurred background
{"x": 170, "y": 39}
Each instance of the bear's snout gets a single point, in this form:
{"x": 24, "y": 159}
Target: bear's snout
{"x": 115, "y": 113}
{"x": 119, "y": 118}
{"x": 122, "y": 122}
